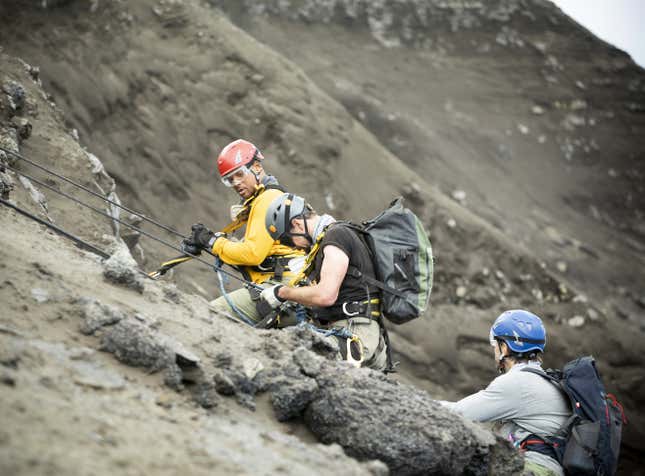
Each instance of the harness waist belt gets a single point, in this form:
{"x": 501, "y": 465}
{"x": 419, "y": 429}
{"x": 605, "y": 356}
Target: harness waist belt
{"x": 537, "y": 444}
{"x": 348, "y": 309}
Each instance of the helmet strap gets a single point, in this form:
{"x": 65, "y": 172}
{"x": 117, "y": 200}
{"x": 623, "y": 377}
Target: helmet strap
{"x": 288, "y": 219}
{"x": 501, "y": 367}
{"x": 307, "y": 235}
{"x": 250, "y": 167}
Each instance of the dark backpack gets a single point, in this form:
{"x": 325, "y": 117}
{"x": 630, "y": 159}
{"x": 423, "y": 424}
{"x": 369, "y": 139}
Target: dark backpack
{"x": 589, "y": 442}
{"x": 402, "y": 256}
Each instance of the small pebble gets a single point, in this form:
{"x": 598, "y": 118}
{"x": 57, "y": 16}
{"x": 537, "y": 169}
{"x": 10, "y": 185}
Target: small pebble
{"x": 576, "y": 321}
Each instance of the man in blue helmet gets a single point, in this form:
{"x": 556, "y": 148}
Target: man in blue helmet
{"x": 524, "y": 406}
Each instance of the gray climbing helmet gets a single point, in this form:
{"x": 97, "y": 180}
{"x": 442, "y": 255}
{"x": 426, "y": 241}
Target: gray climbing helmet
{"x": 280, "y": 213}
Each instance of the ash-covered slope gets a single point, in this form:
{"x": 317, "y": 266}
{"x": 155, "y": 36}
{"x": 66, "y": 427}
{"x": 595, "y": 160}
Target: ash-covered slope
{"x": 508, "y": 106}
{"x": 68, "y": 408}
{"x": 471, "y": 94}
{"x": 102, "y": 374}
{"x": 156, "y": 88}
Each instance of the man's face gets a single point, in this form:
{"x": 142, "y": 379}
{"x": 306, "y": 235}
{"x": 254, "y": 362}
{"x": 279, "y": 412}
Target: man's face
{"x": 298, "y": 228}
{"x": 243, "y": 181}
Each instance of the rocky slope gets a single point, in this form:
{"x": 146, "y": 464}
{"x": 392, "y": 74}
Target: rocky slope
{"x": 155, "y": 88}
{"x": 509, "y": 106}
{"x": 102, "y": 370}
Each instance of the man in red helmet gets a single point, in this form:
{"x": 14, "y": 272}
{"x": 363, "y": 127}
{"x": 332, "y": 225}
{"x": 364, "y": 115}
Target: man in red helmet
{"x": 260, "y": 258}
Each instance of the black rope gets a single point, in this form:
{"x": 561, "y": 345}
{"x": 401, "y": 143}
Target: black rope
{"x": 145, "y": 233}
{"x": 82, "y": 244}
{"x": 94, "y": 209}
{"x": 82, "y": 187}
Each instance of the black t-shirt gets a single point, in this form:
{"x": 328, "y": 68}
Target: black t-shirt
{"x": 352, "y": 288}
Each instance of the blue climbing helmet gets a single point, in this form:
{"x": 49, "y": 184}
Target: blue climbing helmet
{"x": 521, "y": 330}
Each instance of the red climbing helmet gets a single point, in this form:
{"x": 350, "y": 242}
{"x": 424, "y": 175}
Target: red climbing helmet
{"x": 235, "y": 155}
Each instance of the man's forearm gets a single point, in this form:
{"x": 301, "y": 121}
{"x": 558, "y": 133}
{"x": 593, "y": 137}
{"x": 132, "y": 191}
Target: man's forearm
{"x": 307, "y": 295}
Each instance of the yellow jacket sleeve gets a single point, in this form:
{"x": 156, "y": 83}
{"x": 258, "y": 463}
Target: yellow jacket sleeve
{"x": 257, "y": 243}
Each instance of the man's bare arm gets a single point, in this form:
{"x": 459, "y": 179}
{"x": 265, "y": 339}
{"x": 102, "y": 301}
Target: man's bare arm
{"x": 325, "y": 292}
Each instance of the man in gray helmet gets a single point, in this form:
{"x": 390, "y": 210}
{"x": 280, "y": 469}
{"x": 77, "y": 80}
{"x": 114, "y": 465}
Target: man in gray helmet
{"x": 338, "y": 299}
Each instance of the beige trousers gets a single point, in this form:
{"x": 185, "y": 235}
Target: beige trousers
{"x": 242, "y": 300}
{"x": 373, "y": 347}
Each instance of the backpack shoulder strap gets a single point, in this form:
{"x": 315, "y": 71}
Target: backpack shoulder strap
{"x": 546, "y": 374}
{"x": 354, "y": 272}
{"x": 550, "y": 375}
{"x": 275, "y": 186}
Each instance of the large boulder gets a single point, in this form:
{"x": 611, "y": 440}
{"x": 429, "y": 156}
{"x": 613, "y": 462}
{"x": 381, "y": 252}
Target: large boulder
{"x": 373, "y": 417}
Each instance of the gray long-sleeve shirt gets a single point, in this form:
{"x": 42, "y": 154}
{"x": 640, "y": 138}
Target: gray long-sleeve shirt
{"x": 523, "y": 403}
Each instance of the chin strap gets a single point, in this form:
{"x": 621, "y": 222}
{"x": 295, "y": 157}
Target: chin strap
{"x": 307, "y": 235}
{"x": 501, "y": 368}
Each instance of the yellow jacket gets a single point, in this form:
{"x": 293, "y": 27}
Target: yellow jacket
{"x": 257, "y": 244}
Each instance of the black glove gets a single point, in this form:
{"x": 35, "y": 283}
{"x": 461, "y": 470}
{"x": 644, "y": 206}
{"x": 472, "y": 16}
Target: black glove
{"x": 200, "y": 236}
{"x": 190, "y": 248}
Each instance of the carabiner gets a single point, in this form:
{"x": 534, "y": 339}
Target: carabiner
{"x": 348, "y": 313}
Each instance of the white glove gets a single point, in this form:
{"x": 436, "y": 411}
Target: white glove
{"x": 270, "y": 296}
{"x": 235, "y": 211}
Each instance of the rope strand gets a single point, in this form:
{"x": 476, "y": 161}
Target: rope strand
{"x": 81, "y": 243}
{"x": 82, "y": 187}
{"x": 139, "y": 230}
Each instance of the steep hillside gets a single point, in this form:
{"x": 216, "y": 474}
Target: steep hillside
{"x": 69, "y": 409}
{"x": 103, "y": 371}
{"x": 353, "y": 117}
{"x": 509, "y": 106}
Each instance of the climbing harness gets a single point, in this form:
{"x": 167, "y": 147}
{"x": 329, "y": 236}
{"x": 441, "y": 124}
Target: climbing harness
{"x": 349, "y": 309}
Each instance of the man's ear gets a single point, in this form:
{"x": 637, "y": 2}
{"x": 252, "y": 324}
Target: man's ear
{"x": 504, "y": 349}
{"x": 257, "y": 168}
{"x": 296, "y": 223}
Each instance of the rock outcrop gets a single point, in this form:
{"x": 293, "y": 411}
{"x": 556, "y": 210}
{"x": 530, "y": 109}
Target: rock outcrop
{"x": 373, "y": 417}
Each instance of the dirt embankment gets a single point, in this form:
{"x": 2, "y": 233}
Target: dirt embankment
{"x": 515, "y": 111}
{"x": 154, "y": 89}
{"x": 522, "y": 117}
{"x": 103, "y": 369}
